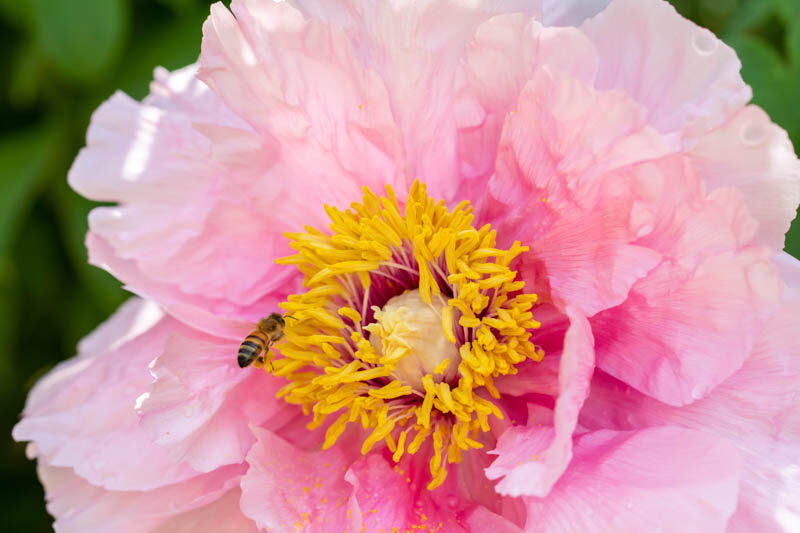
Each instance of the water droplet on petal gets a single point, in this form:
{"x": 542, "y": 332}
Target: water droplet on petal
{"x": 698, "y": 392}
{"x": 188, "y": 412}
{"x": 753, "y": 133}
{"x": 705, "y": 42}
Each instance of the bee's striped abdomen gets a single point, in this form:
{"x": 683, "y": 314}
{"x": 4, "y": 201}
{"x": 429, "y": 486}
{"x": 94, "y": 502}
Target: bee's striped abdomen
{"x": 251, "y": 347}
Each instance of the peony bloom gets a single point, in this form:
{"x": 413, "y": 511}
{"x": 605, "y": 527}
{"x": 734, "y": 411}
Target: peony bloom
{"x": 529, "y": 255}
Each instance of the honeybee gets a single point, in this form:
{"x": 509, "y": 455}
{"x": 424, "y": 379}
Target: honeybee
{"x": 268, "y": 330}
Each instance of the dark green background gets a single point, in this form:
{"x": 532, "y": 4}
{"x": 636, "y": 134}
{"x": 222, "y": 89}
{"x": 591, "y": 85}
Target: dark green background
{"x": 61, "y": 58}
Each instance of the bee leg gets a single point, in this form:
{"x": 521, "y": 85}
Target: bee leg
{"x": 267, "y": 359}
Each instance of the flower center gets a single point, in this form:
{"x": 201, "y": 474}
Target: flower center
{"x": 412, "y": 330}
{"x": 406, "y": 321}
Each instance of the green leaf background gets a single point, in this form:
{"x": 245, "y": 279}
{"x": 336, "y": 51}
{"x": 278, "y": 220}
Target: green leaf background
{"x": 62, "y": 58}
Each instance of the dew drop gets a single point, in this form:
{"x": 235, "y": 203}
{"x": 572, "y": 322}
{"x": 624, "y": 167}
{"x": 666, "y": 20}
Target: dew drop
{"x": 704, "y": 42}
{"x": 698, "y": 392}
{"x": 188, "y": 412}
{"x": 752, "y": 133}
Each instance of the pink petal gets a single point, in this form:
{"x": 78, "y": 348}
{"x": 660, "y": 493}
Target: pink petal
{"x": 482, "y": 519}
{"x": 687, "y": 78}
{"x": 201, "y": 313}
{"x": 388, "y": 495}
{"x": 658, "y": 479}
{"x": 286, "y": 488}
{"x": 221, "y": 516}
{"x": 571, "y": 12}
{"x": 182, "y": 233}
{"x": 80, "y": 507}
{"x": 423, "y": 78}
{"x": 201, "y": 403}
{"x": 756, "y": 409}
{"x": 531, "y": 459}
{"x": 756, "y": 156}
{"x": 81, "y": 415}
{"x": 712, "y": 289}
{"x": 556, "y": 188}
{"x": 301, "y": 82}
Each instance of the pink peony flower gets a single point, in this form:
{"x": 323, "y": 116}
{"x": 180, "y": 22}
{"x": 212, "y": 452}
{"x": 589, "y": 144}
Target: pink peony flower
{"x": 529, "y": 257}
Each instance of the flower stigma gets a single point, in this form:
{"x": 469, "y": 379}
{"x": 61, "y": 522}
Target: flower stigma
{"x": 408, "y": 318}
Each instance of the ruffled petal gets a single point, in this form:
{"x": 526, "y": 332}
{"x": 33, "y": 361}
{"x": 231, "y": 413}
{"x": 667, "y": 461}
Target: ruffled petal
{"x": 658, "y": 479}
{"x": 571, "y": 12}
{"x": 531, "y": 459}
{"x": 712, "y": 289}
{"x": 756, "y": 156}
{"x": 300, "y": 82}
{"x": 189, "y": 215}
{"x": 201, "y": 403}
{"x": 221, "y": 516}
{"x": 756, "y": 409}
{"x": 501, "y": 57}
{"x": 80, "y": 507}
{"x": 557, "y": 189}
{"x": 286, "y": 488}
{"x": 81, "y": 415}
{"x": 686, "y": 78}
{"x": 419, "y": 60}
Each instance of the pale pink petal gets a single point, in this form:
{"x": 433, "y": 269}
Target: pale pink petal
{"x": 81, "y": 415}
{"x": 288, "y": 489}
{"x": 570, "y": 12}
{"x": 419, "y": 60}
{"x": 531, "y": 459}
{"x": 80, "y": 507}
{"x": 687, "y": 78}
{"x": 660, "y": 479}
{"x": 182, "y": 233}
{"x": 501, "y": 57}
{"x": 201, "y": 313}
{"x": 201, "y": 403}
{"x": 301, "y": 82}
{"x": 756, "y": 156}
{"x": 221, "y": 516}
{"x": 711, "y": 290}
{"x": 757, "y": 409}
{"x": 557, "y": 188}
{"x": 789, "y": 268}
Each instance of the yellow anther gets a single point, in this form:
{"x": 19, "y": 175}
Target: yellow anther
{"x": 441, "y": 367}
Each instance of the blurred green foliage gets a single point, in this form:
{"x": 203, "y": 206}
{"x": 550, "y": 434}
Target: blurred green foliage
{"x": 62, "y": 58}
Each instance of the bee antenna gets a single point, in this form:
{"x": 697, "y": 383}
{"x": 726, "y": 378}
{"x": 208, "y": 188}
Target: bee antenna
{"x": 290, "y": 316}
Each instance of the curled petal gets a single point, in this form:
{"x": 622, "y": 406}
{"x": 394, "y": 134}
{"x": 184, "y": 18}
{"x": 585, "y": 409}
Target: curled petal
{"x": 81, "y": 415}
{"x": 531, "y": 459}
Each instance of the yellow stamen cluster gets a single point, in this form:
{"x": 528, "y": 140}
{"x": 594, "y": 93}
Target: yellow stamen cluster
{"x": 373, "y": 253}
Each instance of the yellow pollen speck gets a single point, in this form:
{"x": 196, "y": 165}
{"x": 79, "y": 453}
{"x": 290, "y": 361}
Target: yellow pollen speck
{"x": 408, "y": 317}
